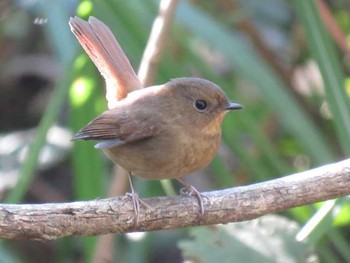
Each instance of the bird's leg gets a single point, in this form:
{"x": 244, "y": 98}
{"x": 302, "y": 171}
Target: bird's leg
{"x": 136, "y": 201}
{"x": 194, "y": 192}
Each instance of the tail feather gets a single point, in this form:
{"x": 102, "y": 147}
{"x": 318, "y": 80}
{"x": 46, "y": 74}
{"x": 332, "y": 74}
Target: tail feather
{"x": 100, "y": 44}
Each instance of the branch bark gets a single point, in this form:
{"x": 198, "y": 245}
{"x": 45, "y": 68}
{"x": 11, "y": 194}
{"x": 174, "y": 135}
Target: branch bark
{"x": 114, "y": 215}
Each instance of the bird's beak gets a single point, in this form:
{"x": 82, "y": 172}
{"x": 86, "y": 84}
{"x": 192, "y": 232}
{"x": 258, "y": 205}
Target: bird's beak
{"x": 233, "y": 106}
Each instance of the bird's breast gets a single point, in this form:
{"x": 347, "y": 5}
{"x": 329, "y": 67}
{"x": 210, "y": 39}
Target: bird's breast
{"x": 170, "y": 154}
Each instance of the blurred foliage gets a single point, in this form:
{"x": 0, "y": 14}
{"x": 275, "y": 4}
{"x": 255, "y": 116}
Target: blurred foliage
{"x": 277, "y": 58}
{"x": 267, "y": 239}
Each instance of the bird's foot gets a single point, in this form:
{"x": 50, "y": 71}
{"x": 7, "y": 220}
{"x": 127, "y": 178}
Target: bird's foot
{"x": 136, "y": 203}
{"x": 192, "y": 191}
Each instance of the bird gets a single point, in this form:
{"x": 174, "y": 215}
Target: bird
{"x": 159, "y": 132}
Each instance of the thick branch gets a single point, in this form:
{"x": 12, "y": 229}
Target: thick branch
{"x": 114, "y": 215}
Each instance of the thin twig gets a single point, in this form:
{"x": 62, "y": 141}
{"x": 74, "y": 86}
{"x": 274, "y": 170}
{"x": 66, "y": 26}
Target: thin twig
{"x": 155, "y": 45}
{"x": 51, "y": 221}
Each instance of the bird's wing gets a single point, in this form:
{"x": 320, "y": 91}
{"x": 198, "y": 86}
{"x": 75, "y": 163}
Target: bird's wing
{"x": 100, "y": 44}
{"x": 117, "y": 127}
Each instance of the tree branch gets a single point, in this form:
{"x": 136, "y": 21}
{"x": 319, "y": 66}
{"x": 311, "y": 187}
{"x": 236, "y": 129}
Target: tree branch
{"x": 114, "y": 215}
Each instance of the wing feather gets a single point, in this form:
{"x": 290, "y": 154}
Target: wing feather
{"x": 119, "y": 126}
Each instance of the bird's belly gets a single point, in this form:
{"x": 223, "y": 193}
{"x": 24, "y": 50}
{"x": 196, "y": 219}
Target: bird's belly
{"x": 159, "y": 159}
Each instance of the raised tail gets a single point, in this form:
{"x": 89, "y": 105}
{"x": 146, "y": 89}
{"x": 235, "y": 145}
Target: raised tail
{"x": 100, "y": 44}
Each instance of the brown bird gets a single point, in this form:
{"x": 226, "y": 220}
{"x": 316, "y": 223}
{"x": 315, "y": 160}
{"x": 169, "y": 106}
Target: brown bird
{"x": 159, "y": 132}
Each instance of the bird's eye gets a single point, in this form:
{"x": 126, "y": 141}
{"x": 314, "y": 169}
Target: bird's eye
{"x": 200, "y": 105}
